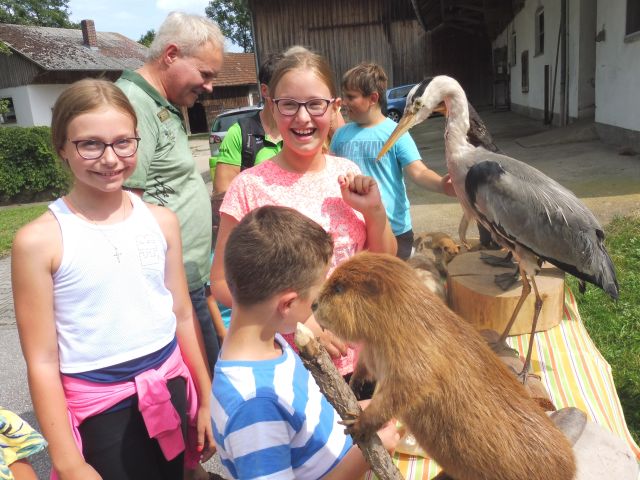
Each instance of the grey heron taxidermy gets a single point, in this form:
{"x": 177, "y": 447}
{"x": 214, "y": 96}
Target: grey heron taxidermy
{"x": 530, "y": 214}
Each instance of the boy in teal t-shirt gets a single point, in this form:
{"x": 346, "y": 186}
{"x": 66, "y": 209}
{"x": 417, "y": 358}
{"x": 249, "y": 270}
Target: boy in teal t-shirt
{"x": 364, "y": 95}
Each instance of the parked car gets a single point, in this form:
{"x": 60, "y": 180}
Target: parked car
{"x": 396, "y": 100}
{"x": 222, "y": 123}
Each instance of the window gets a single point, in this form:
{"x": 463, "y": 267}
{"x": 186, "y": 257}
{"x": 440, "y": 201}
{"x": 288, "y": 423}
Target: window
{"x": 539, "y": 40}
{"x": 514, "y": 55}
{"x": 7, "y": 112}
{"x": 633, "y": 17}
{"x": 525, "y": 71}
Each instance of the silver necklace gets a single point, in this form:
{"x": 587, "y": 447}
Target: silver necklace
{"x": 116, "y": 252}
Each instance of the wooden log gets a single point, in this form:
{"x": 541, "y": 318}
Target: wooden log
{"x": 316, "y": 359}
{"x": 473, "y": 294}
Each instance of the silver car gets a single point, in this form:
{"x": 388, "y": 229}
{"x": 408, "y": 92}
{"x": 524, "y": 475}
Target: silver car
{"x": 222, "y": 123}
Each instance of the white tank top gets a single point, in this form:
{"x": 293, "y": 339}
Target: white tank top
{"x": 110, "y": 308}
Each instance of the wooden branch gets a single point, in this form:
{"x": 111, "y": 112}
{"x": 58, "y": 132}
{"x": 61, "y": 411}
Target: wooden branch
{"x": 316, "y": 359}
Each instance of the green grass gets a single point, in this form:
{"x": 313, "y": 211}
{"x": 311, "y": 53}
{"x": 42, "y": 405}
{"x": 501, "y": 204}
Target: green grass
{"x": 11, "y": 219}
{"x": 615, "y": 326}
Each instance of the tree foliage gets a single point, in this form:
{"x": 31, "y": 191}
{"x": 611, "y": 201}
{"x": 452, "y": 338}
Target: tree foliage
{"x": 147, "y": 38}
{"x": 234, "y": 19}
{"x": 42, "y": 13}
{"x": 4, "y": 106}
{"x": 29, "y": 167}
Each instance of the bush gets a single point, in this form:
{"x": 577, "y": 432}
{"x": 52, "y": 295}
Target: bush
{"x": 29, "y": 167}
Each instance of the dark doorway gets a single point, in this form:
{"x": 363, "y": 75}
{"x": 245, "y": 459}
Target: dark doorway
{"x": 197, "y": 119}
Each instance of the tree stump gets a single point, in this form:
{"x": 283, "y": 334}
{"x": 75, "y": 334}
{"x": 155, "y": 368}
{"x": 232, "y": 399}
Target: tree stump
{"x": 473, "y": 294}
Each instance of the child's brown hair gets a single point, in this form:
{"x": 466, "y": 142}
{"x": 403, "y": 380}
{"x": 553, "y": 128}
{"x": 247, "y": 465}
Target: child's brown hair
{"x": 86, "y": 96}
{"x": 301, "y": 58}
{"x": 274, "y": 249}
{"x": 367, "y": 78}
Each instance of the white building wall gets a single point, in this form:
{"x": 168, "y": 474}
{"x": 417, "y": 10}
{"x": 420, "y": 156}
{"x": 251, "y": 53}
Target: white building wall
{"x": 524, "y": 26}
{"x": 42, "y": 99}
{"x": 33, "y": 103}
{"x": 580, "y": 58}
{"x": 617, "y": 69}
{"x": 585, "y": 101}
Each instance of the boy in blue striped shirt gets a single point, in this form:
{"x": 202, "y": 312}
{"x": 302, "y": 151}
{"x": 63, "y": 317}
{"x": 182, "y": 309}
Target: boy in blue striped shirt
{"x": 270, "y": 419}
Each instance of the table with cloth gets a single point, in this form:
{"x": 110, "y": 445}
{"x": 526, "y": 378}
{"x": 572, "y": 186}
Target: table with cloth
{"x": 574, "y": 373}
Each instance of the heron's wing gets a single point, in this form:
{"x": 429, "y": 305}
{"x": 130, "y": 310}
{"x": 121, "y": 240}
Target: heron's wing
{"x": 536, "y": 212}
{"x": 478, "y": 134}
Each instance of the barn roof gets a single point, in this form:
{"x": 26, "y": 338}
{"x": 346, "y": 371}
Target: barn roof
{"x": 237, "y": 69}
{"x": 63, "y": 48}
{"x": 471, "y": 16}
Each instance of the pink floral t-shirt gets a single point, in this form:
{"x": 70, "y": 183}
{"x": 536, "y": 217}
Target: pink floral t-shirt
{"x": 316, "y": 195}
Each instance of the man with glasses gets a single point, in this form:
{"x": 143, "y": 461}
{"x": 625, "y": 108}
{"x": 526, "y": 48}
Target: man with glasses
{"x": 184, "y": 59}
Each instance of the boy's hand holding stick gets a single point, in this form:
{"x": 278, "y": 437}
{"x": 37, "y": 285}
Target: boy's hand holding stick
{"x": 316, "y": 359}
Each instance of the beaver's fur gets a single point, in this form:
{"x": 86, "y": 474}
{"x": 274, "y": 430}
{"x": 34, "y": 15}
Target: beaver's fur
{"x": 438, "y": 376}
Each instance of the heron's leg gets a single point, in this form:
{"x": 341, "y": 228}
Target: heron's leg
{"x": 462, "y": 230}
{"x": 496, "y": 261}
{"x": 526, "y": 290}
{"x": 536, "y": 314}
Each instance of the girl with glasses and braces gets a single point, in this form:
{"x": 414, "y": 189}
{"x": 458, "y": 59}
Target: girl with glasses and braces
{"x": 118, "y": 382}
{"x": 329, "y": 190}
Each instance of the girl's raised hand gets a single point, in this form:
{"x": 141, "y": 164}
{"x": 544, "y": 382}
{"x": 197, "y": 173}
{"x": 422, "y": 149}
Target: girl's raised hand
{"x": 360, "y": 192}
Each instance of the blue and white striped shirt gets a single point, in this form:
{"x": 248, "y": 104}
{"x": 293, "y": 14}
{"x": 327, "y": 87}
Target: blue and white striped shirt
{"x": 270, "y": 420}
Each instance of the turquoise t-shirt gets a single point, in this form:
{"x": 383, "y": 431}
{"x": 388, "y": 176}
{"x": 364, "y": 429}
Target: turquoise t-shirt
{"x": 361, "y": 145}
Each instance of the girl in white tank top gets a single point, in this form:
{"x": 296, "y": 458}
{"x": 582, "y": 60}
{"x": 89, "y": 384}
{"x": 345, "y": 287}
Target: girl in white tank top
{"x": 103, "y": 310}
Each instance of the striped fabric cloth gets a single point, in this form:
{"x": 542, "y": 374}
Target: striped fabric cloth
{"x": 574, "y": 373}
{"x": 270, "y": 420}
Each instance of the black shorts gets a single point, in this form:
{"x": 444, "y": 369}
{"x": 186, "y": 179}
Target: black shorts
{"x": 118, "y": 447}
{"x": 405, "y": 244}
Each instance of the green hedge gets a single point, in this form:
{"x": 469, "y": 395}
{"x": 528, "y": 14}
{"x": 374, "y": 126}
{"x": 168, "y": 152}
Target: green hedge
{"x": 29, "y": 168}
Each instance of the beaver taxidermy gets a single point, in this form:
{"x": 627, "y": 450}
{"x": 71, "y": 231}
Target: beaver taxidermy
{"x": 436, "y": 374}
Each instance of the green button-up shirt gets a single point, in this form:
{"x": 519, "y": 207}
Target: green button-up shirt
{"x": 167, "y": 173}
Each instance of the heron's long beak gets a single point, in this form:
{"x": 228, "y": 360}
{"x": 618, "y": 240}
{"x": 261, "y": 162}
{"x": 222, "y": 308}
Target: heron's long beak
{"x": 406, "y": 122}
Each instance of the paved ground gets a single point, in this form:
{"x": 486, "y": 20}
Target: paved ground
{"x": 608, "y": 183}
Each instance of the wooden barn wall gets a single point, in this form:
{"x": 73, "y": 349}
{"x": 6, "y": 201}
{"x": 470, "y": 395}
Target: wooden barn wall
{"x": 15, "y": 70}
{"x": 347, "y": 33}
{"x": 382, "y": 31}
{"x": 467, "y": 58}
{"x": 224, "y": 98}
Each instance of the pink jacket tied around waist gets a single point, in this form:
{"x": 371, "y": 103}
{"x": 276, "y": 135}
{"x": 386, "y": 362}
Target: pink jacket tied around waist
{"x": 86, "y": 399}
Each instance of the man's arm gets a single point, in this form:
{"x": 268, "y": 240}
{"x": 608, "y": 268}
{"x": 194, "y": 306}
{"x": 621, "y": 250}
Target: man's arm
{"x": 225, "y": 173}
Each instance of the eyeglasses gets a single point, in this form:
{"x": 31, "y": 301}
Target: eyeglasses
{"x": 94, "y": 149}
{"x": 315, "y": 107}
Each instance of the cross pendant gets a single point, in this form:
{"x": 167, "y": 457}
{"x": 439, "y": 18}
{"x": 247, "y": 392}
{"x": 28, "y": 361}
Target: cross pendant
{"x": 116, "y": 253}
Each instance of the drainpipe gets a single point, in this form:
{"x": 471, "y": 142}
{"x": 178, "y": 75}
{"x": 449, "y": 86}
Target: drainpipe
{"x": 255, "y": 50}
{"x": 563, "y": 63}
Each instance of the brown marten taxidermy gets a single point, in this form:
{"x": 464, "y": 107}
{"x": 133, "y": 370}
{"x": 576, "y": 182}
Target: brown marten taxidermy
{"x": 438, "y": 244}
{"x": 436, "y": 374}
